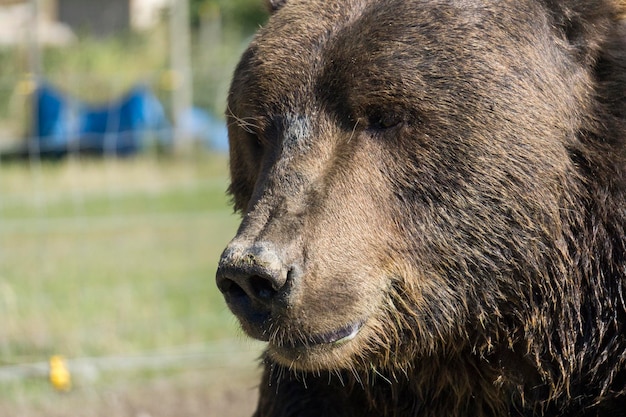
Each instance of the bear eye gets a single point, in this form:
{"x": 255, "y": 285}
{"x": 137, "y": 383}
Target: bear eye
{"x": 381, "y": 120}
{"x": 251, "y": 127}
{"x": 254, "y": 141}
{"x": 253, "y": 137}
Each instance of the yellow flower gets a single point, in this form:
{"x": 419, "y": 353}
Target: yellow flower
{"x": 60, "y": 376}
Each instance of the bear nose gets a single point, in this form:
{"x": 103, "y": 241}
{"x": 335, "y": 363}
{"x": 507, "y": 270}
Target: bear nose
{"x": 249, "y": 278}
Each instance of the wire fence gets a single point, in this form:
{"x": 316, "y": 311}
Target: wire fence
{"x": 110, "y": 263}
{"x": 107, "y": 258}
{"x": 218, "y": 354}
{"x": 144, "y": 229}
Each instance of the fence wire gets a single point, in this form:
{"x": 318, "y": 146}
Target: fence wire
{"x": 106, "y": 260}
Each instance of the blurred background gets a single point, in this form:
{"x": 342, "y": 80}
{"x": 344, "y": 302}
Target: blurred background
{"x": 113, "y": 212}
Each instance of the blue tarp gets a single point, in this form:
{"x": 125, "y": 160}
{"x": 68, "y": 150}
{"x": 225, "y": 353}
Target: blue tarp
{"x": 62, "y": 124}
{"x": 204, "y": 127}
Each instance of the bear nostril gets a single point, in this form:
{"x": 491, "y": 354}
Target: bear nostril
{"x": 243, "y": 288}
{"x": 262, "y": 288}
{"x": 231, "y": 288}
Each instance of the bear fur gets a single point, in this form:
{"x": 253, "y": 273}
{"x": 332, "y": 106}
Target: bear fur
{"x": 433, "y": 202}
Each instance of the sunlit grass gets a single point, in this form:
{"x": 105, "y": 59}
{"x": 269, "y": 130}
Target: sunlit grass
{"x": 128, "y": 268}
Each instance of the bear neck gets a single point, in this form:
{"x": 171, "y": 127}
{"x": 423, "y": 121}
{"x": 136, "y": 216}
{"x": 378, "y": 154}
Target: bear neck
{"x": 510, "y": 381}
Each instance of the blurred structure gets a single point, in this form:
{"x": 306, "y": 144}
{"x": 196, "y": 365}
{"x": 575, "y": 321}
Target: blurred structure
{"x": 204, "y": 128}
{"x": 95, "y": 17}
{"x": 58, "y": 21}
{"x": 33, "y": 26}
{"x": 180, "y": 63}
{"x": 62, "y": 124}
{"x": 17, "y": 21}
{"x": 115, "y": 16}
{"x": 145, "y": 14}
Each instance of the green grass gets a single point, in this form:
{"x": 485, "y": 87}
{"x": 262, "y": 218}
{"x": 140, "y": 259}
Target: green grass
{"x": 112, "y": 257}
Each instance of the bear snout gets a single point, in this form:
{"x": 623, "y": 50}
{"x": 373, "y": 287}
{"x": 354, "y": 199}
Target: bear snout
{"x": 253, "y": 280}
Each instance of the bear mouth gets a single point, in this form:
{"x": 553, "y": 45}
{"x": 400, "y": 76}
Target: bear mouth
{"x": 333, "y": 338}
{"x": 343, "y": 335}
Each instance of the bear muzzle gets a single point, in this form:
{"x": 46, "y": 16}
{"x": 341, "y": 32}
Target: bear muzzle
{"x": 255, "y": 283}
{"x": 260, "y": 289}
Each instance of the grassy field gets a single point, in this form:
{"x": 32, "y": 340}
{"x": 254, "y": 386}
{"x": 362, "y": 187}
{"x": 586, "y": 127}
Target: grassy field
{"x": 117, "y": 258}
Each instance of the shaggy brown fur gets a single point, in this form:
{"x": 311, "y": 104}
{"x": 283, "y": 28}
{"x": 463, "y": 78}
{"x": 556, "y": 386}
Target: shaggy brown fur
{"x": 434, "y": 207}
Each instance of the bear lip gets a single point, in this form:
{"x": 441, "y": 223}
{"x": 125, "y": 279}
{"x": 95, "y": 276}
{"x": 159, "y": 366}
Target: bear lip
{"x": 336, "y": 337}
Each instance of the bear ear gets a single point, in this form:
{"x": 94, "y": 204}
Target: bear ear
{"x": 586, "y": 23}
{"x": 274, "y": 5}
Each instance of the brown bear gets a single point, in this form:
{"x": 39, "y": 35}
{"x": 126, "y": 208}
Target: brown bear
{"x": 433, "y": 197}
